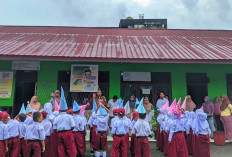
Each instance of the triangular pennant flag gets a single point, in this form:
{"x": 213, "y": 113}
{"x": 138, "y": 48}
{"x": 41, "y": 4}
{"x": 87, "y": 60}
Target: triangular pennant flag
{"x": 57, "y": 106}
{"x": 166, "y": 105}
{"x": 102, "y": 111}
{"x": 172, "y": 107}
{"x": 63, "y": 103}
{"x": 76, "y": 107}
{"x": 184, "y": 103}
{"x": 22, "y": 110}
{"x": 94, "y": 105}
{"x": 179, "y": 101}
{"x": 140, "y": 108}
{"x": 83, "y": 108}
{"x": 120, "y": 103}
{"x": 137, "y": 101}
{"x": 127, "y": 108}
{"x": 29, "y": 109}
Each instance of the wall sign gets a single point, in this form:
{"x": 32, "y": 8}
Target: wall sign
{"x": 25, "y": 65}
{"x": 137, "y": 76}
{"x": 84, "y": 78}
{"x": 6, "y": 82}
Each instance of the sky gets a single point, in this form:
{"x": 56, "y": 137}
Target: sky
{"x": 181, "y": 14}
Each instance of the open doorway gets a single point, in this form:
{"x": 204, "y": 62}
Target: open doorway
{"x": 197, "y": 87}
{"x": 24, "y": 88}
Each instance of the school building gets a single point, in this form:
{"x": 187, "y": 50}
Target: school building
{"x": 130, "y": 61}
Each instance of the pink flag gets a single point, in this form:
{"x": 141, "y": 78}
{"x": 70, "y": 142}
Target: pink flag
{"x": 179, "y": 101}
{"x": 202, "y": 108}
{"x": 184, "y": 104}
{"x": 166, "y": 105}
{"x": 83, "y": 108}
{"x": 172, "y": 107}
{"x": 57, "y": 106}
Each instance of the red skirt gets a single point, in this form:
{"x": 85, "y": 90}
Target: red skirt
{"x": 178, "y": 146}
{"x": 93, "y": 137}
{"x": 158, "y": 137}
{"x": 132, "y": 145}
{"x": 189, "y": 142}
{"x": 2, "y": 148}
{"x": 161, "y": 141}
{"x": 142, "y": 148}
{"x": 202, "y": 146}
{"x": 127, "y": 142}
{"x": 165, "y": 143}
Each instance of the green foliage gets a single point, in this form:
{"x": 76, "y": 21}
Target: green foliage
{"x": 154, "y": 121}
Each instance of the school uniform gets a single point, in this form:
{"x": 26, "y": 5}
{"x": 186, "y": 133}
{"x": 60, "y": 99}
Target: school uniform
{"x": 4, "y": 135}
{"x": 142, "y": 131}
{"x": 13, "y": 141}
{"x": 159, "y": 142}
{"x": 34, "y": 135}
{"x": 133, "y": 138}
{"x": 119, "y": 129}
{"x": 127, "y": 134}
{"x": 178, "y": 147}
{"x": 28, "y": 120}
{"x": 93, "y": 127}
{"x": 46, "y": 123}
{"x": 78, "y": 133}
{"x": 101, "y": 137}
{"x": 85, "y": 130}
{"x": 203, "y": 132}
{"x": 169, "y": 123}
{"x": 63, "y": 124}
{"x": 22, "y": 133}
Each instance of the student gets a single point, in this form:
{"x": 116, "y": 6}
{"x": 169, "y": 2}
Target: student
{"x": 115, "y": 113}
{"x": 35, "y": 136}
{"x": 142, "y": 131}
{"x": 22, "y": 132}
{"x": 102, "y": 125}
{"x": 64, "y": 125}
{"x": 48, "y": 109}
{"x": 203, "y": 132}
{"x": 13, "y": 141}
{"x": 4, "y": 135}
{"x": 92, "y": 125}
{"x": 135, "y": 116}
{"x": 78, "y": 130}
{"x": 127, "y": 132}
{"x": 176, "y": 137}
{"x": 119, "y": 131}
{"x": 48, "y": 131}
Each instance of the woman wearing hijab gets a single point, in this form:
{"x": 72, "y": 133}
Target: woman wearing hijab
{"x": 131, "y": 105}
{"x": 217, "y": 114}
{"x": 226, "y": 110}
{"x": 35, "y": 105}
{"x": 190, "y": 105}
{"x": 55, "y": 99}
{"x": 208, "y": 107}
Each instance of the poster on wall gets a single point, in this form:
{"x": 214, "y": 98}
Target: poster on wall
{"x": 84, "y": 78}
{"x": 6, "y": 82}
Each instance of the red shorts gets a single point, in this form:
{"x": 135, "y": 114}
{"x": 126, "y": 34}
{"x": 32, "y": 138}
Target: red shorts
{"x": 101, "y": 142}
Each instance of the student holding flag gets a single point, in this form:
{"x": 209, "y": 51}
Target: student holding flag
{"x": 131, "y": 105}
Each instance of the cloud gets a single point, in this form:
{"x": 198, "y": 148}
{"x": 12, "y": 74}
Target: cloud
{"x": 181, "y": 14}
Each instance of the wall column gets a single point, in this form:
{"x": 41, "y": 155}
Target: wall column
{"x": 114, "y": 83}
{"x": 179, "y": 88}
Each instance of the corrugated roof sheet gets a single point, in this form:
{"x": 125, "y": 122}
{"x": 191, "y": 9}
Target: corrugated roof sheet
{"x": 115, "y": 44}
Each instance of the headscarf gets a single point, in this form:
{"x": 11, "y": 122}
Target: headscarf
{"x": 225, "y": 102}
{"x": 205, "y": 104}
{"x": 132, "y": 103}
{"x": 35, "y": 105}
{"x": 57, "y": 98}
{"x": 48, "y": 108}
{"x": 200, "y": 122}
{"x": 190, "y": 105}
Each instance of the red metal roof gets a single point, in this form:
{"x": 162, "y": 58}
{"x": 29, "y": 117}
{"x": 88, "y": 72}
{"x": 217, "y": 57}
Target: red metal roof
{"x": 115, "y": 44}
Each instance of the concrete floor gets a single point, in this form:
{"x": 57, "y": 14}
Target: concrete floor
{"x": 216, "y": 151}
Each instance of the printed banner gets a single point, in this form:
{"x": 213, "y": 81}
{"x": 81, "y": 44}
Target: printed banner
{"x": 84, "y": 78}
{"x": 6, "y": 83}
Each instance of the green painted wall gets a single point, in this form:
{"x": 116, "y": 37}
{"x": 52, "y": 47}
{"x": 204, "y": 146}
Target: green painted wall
{"x": 49, "y": 74}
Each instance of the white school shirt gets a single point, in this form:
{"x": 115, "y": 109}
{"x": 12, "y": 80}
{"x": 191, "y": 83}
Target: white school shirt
{"x": 141, "y": 128}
